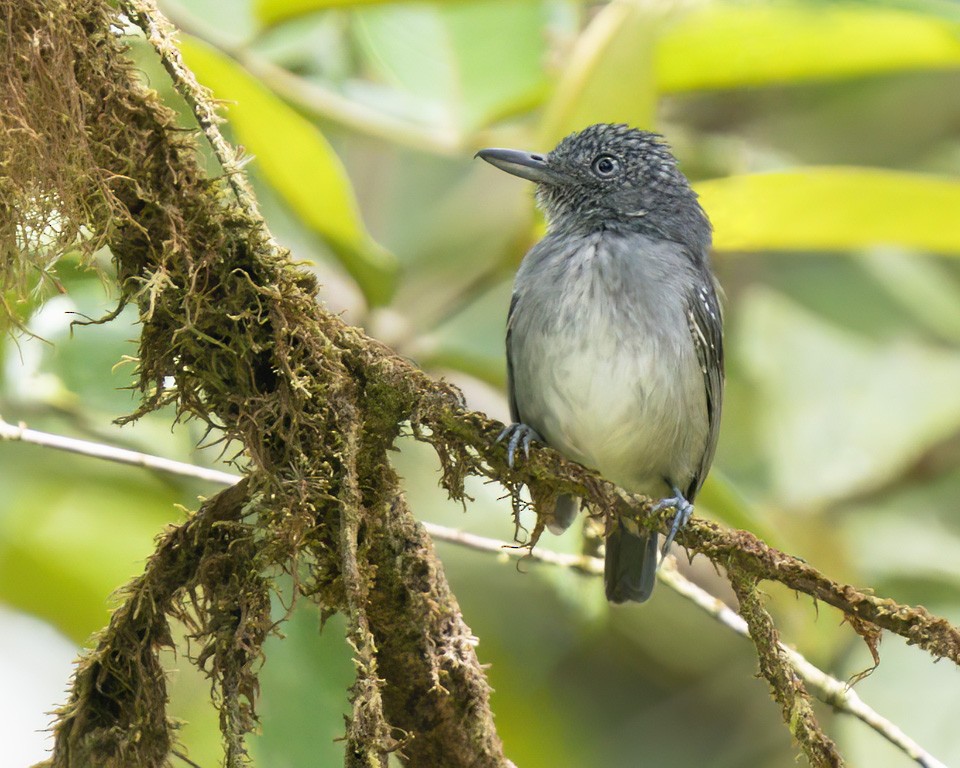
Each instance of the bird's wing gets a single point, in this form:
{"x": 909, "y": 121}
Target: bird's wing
{"x": 514, "y": 411}
{"x": 706, "y": 328}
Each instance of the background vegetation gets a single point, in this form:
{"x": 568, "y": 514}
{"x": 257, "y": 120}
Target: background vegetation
{"x": 825, "y": 141}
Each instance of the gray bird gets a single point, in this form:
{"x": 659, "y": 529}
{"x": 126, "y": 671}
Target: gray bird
{"x": 614, "y": 335}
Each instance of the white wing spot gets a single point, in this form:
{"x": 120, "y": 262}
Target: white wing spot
{"x": 698, "y": 339}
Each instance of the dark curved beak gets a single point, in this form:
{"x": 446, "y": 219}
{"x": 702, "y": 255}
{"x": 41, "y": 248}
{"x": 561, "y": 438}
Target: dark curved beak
{"x": 526, "y": 165}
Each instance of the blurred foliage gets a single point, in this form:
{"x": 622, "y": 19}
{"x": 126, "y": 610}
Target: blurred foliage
{"x": 295, "y": 159}
{"x": 824, "y": 138}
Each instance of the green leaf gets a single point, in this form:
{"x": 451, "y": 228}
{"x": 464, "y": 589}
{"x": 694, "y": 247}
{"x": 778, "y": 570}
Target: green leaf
{"x": 840, "y": 415}
{"x": 609, "y": 73}
{"x": 70, "y": 541}
{"x": 294, "y": 157}
{"x": 925, "y": 287}
{"x": 727, "y": 45}
{"x": 833, "y": 208}
{"x": 442, "y": 56}
{"x": 273, "y": 11}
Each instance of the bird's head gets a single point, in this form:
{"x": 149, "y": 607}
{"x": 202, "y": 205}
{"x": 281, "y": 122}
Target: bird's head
{"x": 611, "y": 177}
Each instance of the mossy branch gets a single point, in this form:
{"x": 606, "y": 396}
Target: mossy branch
{"x": 368, "y": 735}
{"x": 315, "y": 404}
{"x": 116, "y": 715}
{"x": 839, "y": 695}
{"x": 233, "y": 335}
{"x": 786, "y": 686}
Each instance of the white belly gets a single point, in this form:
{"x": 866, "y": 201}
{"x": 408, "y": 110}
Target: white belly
{"x": 621, "y": 411}
{"x": 617, "y": 388}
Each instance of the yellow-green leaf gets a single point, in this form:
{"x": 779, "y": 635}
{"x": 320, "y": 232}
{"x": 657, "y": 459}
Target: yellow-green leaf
{"x": 732, "y": 45}
{"x": 833, "y": 209}
{"x": 440, "y": 61}
{"x": 273, "y": 11}
{"x": 609, "y": 74}
{"x": 293, "y": 156}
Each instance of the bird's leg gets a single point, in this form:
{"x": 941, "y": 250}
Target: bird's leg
{"x": 684, "y": 510}
{"x": 519, "y": 434}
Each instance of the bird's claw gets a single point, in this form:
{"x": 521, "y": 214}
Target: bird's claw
{"x": 519, "y": 434}
{"x": 684, "y": 511}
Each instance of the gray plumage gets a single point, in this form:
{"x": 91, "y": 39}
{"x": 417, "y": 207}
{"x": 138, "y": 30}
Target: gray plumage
{"x": 614, "y": 335}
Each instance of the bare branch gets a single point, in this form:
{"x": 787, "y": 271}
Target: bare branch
{"x": 22, "y": 433}
{"x": 826, "y": 688}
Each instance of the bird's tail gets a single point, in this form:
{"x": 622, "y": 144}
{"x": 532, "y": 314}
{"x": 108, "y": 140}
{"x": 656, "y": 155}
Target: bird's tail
{"x": 630, "y": 568}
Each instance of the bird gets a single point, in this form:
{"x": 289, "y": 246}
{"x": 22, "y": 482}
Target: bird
{"x": 615, "y": 333}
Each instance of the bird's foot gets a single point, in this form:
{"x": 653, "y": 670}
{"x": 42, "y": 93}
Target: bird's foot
{"x": 518, "y": 434}
{"x": 683, "y": 512}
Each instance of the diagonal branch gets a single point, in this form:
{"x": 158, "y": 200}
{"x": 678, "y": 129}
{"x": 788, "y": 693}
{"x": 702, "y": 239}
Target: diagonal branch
{"x": 932, "y": 633}
{"x": 22, "y": 433}
{"x": 826, "y": 688}
{"x": 465, "y": 445}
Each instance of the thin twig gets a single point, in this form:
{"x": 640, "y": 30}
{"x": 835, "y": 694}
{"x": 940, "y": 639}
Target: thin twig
{"x": 20, "y": 432}
{"x": 826, "y": 688}
{"x": 161, "y": 35}
{"x": 181, "y": 756}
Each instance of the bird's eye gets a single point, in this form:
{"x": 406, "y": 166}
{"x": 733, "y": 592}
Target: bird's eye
{"x": 606, "y": 166}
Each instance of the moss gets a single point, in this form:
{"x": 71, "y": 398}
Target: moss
{"x": 233, "y": 336}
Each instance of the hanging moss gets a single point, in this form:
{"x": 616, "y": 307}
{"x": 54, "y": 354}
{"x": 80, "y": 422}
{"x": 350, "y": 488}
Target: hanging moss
{"x": 233, "y": 336}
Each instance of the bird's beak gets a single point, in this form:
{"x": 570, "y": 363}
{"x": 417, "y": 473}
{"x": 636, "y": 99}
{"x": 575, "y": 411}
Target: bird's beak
{"x": 526, "y": 165}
